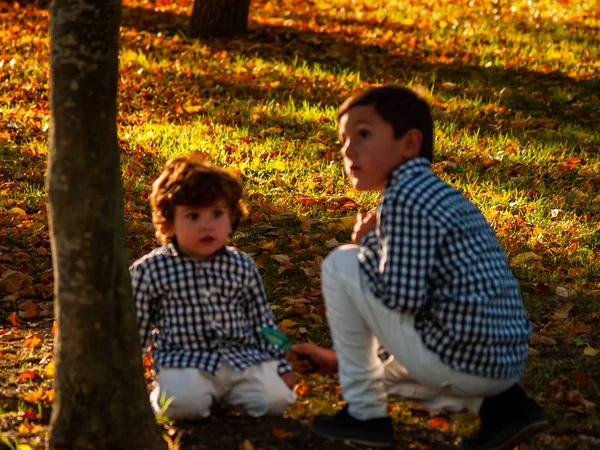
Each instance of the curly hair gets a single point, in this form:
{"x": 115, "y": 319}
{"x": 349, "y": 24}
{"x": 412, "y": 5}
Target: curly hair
{"x": 191, "y": 181}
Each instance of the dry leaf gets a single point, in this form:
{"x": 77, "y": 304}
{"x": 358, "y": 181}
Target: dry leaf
{"x": 32, "y": 341}
{"x": 540, "y": 339}
{"x": 301, "y": 388}
{"x": 27, "y": 375}
{"x": 246, "y": 445}
{"x": 280, "y": 433}
{"x": 14, "y": 319}
{"x": 49, "y": 370}
{"x": 282, "y": 259}
{"x": 590, "y": 351}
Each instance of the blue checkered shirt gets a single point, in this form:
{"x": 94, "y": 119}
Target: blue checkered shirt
{"x": 199, "y": 314}
{"x": 433, "y": 255}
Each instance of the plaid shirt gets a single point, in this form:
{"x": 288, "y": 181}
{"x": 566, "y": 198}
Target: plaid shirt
{"x": 433, "y": 255}
{"x": 202, "y": 313}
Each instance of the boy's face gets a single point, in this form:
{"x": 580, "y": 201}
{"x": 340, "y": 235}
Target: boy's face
{"x": 370, "y": 151}
{"x": 200, "y": 231}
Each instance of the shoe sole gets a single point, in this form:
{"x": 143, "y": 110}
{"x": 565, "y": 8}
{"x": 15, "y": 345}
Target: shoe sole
{"x": 522, "y": 436}
{"x": 356, "y": 441}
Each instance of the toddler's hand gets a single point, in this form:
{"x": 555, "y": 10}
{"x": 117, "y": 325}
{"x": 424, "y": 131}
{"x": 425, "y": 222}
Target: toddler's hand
{"x": 363, "y": 225}
{"x": 288, "y": 379}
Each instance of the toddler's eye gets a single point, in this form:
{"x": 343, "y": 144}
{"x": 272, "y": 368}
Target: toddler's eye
{"x": 218, "y": 213}
{"x": 364, "y": 133}
{"x": 192, "y": 215}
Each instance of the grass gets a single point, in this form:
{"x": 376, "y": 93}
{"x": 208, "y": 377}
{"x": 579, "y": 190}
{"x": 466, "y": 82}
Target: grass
{"x": 516, "y": 100}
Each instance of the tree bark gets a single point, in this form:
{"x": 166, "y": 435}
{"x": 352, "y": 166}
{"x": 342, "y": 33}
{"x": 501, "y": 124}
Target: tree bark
{"x": 101, "y": 401}
{"x": 219, "y": 18}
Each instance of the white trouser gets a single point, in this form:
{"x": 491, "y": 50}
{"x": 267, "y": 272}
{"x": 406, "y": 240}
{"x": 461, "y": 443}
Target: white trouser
{"x": 189, "y": 393}
{"x": 359, "y": 323}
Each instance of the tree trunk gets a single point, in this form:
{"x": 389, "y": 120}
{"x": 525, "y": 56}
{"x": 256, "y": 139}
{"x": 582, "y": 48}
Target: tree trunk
{"x": 101, "y": 401}
{"x": 218, "y": 18}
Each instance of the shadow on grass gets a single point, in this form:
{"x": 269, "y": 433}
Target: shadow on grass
{"x": 518, "y": 90}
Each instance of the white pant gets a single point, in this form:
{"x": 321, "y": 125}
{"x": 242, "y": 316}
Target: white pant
{"x": 189, "y": 393}
{"x": 359, "y": 323}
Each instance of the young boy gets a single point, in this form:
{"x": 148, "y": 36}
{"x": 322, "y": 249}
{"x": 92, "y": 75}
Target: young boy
{"x": 428, "y": 281}
{"x": 202, "y": 303}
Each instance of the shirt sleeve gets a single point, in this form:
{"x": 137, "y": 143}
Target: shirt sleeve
{"x": 260, "y": 316}
{"x": 408, "y": 242}
{"x": 146, "y": 300}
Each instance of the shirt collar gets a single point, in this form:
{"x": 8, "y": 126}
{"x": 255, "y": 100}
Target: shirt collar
{"x": 409, "y": 168}
{"x": 173, "y": 249}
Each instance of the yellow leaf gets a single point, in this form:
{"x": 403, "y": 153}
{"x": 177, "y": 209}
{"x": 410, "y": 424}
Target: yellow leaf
{"x": 523, "y": 257}
{"x": 17, "y": 211}
{"x": 287, "y": 324}
{"x": 268, "y": 245}
{"x": 348, "y": 222}
{"x": 590, "y": 351}
{"x": 49, "y": 370}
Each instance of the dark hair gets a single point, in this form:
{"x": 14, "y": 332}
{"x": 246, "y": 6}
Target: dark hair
{"x": 191, "y": 181}
{"x": 402, "y": 108}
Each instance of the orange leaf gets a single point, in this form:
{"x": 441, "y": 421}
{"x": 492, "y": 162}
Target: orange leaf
{"x": 54, "y": 328}
{"x": 438, "y": 422}
{"x": 27, "y": 375}
{"x": 32, "y": 341}
{"x": 50, "y": 395}
{"x": 280, "y": 433}
{"x": 301, "y": 388}
{"x": 14, "y": 319}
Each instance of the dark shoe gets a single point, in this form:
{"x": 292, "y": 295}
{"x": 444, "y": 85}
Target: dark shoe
{"x": 507, "y": 420}
{"x": 342, "y": 426}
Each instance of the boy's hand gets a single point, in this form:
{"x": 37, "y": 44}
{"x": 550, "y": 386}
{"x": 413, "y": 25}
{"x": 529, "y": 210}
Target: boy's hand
{"x": 310, "y": 358}
{"x": 364, "y": 224}
{"x": 288, "y": 379}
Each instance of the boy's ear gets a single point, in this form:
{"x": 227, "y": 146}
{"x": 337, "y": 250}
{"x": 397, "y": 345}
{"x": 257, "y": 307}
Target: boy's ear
{"x": 413, "y": 140}
{"x": 167, "y": 229}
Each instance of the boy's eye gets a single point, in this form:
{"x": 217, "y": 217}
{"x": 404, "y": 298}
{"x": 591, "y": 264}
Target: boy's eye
{"x": 192, "y": 215}
{"x": 364, "y": 133}
{"x": 218, "y": 213}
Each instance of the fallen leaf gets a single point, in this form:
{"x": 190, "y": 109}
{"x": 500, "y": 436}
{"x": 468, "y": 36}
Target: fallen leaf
{"x": 246, "y": 445}
{"x": 301, "y": 388}
{"x": 280, "y": 433}
{"x": 590, "y": 351}
{"x": 14, "y": 319}
{"x": 540, "y": 339}
{"x": 580, "y": 328}
{"x": 438, "y": 422}
{"x": 27, "y": 375}
{"x": 32, "y": 340}
{"x": 282, "y": 259}
{"x": 54, "y": 328}
{"x": 286, "y": 324}
{"x": 49, "y": 370}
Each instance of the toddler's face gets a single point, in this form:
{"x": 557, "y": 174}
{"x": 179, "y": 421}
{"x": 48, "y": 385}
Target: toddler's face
{"x": 369, "y": 148}
{"x": 201, "y": 231}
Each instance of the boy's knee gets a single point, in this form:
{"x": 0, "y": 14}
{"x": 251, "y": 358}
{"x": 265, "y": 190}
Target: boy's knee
{"x": 339, "y": 257}
{"x": 269, "y": 403}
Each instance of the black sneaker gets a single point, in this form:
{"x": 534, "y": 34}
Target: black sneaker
{"x": 507, "y": 420}
{"x": 342, "y": 426}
